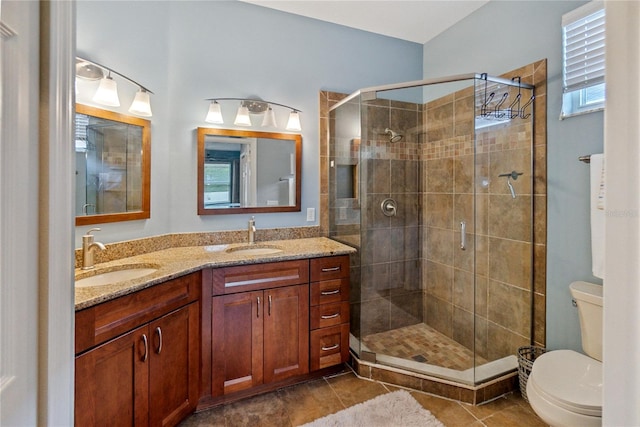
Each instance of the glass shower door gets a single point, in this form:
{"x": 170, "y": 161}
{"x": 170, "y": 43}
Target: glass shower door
{"x": 504, "y": 231}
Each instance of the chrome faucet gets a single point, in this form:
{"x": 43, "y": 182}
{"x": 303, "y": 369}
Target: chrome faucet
{"x": 88, "y": 248}
{"x": 252, "y": 230}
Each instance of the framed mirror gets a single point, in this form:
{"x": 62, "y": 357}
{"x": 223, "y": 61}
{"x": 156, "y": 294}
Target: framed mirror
{"x": 113, "y": 166}
{"x": 241, "y": 171}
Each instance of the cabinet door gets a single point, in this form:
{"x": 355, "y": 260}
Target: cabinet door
{"x": 112, "y": 382}
{"x": 237, "y": 342}
{"x": 173, "y": 366}
{"x": 286, "y": 332}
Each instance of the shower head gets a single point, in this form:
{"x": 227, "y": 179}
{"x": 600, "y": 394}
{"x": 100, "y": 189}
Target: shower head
{"x": 393, "y": 137}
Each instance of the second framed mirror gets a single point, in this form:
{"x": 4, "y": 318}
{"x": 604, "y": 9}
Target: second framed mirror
{"x": 248, "y": 172}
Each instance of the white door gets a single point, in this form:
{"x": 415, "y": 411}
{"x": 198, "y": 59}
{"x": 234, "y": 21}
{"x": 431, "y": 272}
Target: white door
{"x": 18, "y": 214}
{"x": 36, "y": 213}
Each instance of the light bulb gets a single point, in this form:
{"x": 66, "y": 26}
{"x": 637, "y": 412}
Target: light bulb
{"x": 107, "y": 93}
{"x": 269, "y": 118}
{"x": 141, "y": 104}
{"x": 294, "y": 121}
{"x": 215, "y": 113}
{"x": 242, "y": 117}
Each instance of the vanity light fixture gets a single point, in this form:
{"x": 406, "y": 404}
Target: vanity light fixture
{"x": 270, "y": 118}
{"x": 215, "y": 113}
{"x": 141, "y": 104}
{"x": 242, "y": 116}
{"x": 107, "y": 93}
{"x": 294, "y": 121}
{"x": 253, "y": 106}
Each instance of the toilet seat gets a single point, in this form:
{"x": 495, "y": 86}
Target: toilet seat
{"x": 569, "y": 380}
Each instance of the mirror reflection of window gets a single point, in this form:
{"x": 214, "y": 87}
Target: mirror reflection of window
{"x": 246, "y": 171}
{"x": 222, "y": 178}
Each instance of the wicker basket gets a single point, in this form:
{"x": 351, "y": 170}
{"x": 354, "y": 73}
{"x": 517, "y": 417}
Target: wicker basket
{"x": 526, "y": 356}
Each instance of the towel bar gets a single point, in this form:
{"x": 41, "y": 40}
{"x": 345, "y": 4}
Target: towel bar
{"x": 585, "y": 159}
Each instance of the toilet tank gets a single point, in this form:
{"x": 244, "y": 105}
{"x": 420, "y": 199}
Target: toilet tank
{"x": 588, "y": 297}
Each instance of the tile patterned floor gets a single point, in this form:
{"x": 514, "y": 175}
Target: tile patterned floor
{"x": 422, "y": 343}
{"x": 300, "y": 404}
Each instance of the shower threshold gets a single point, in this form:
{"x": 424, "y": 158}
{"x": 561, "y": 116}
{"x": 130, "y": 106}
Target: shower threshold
{"x": 486, "y": 382}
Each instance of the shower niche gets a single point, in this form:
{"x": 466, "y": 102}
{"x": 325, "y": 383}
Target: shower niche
{"x": 433, "y": 294}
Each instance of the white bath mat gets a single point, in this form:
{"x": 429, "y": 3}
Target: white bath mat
{"x": 397, "y": 409}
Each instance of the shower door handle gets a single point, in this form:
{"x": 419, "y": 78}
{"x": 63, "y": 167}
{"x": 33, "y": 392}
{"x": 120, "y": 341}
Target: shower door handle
{"x": 463, "y": 235}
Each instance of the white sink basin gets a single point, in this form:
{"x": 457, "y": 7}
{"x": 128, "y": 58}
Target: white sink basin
{"x": 120, "y": 275}
{"x": 254, "y": 250}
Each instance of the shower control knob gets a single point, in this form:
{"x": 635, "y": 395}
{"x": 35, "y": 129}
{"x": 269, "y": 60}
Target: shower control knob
{"x": 389, "y": 207}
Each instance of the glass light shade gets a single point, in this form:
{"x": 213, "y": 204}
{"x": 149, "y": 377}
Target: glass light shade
{"x": 107, "y": 93}
{"x": 242, "y": 117}
{"x": 269, "y": 118}
{"x": 215, "y": 113}
{"x": 294, "y": 121}
{"x": 141, "y": 104}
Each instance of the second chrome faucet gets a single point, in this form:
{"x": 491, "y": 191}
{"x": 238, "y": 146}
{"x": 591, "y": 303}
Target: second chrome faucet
{"x": 251, "y": 232}
{"x": 88, "y": 248}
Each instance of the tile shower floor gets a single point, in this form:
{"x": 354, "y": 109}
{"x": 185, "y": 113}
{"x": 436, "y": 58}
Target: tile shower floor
{"x": 422, "y": 343}
{"x": 303, "y": 403}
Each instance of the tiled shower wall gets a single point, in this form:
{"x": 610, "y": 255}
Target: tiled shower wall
{"x": 434, "y": 284}
{"x": 391, "y": 277}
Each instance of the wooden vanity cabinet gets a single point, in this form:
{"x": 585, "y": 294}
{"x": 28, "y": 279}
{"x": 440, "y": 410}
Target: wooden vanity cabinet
{"x": 259, "y": 336}
{"x": 265, "y": 326}
{"x": 329, "y": 311}
{"x": 137, "y": 357}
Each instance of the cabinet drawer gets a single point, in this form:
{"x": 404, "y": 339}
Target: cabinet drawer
{"x": 329, "y": 346}
{"x": 329, "y": 291}
{"x": 327, "y": 268}
{"x": 102, "y": 322}
{"x": 242, "y": 278}
{"x": 329, "y": 314}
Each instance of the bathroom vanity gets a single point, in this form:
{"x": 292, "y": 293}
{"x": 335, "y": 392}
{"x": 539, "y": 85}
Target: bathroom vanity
{"x": 150, "y": 351}
{"x": 137, "y": 356}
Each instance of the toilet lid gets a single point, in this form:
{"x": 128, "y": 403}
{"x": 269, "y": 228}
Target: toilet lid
{"x": 571, "y": 380}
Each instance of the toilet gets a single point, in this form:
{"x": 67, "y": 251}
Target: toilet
{"x": 565, "y": 387}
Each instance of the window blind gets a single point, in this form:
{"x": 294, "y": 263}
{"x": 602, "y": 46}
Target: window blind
{"x": 583, "y": 36}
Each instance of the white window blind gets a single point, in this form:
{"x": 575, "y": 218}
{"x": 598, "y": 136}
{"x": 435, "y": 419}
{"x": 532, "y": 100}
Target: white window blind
{"x": 583, "y": 34}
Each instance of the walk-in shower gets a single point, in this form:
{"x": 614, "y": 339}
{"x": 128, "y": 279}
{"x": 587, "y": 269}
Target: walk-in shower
{"x": 443, "y": 220}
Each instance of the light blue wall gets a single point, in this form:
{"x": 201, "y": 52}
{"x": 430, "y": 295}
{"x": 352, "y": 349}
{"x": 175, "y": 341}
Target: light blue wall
{"x": 131, "y": 37}
{"x": 188, "y": 51}
{"x": 505, "y": 35}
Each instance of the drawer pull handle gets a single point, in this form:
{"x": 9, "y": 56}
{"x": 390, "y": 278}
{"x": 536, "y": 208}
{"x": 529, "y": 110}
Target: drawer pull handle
{"x": 146, "y": 347}
{"x": 337, "y": 291}
{"x": 330, "y": 316}
{"x": 258, "y": 309}
{"x": 330, "y": 269}
{"x": 331, "y": 347}
{"x": 269, "y": 305}
{"x": 159, "y": 332}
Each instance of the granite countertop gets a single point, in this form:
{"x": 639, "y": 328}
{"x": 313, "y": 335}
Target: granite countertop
{"x": 176, "y": 262}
